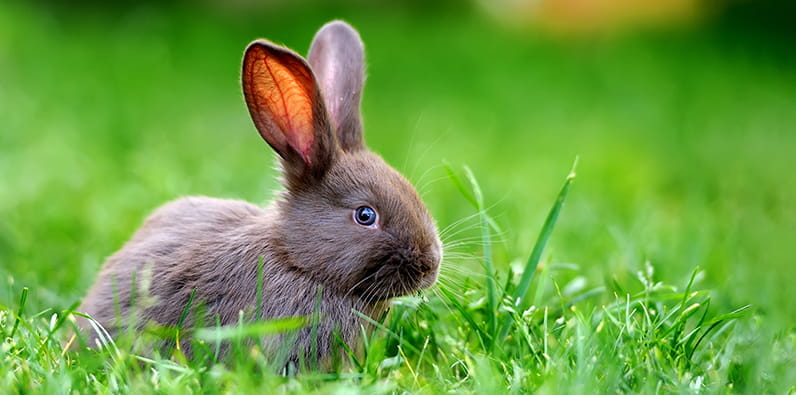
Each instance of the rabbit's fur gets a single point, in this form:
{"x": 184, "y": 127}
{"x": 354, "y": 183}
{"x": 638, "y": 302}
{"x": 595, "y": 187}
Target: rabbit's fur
{"x": 308, "y": 239}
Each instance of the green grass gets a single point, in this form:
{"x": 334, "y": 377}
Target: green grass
{"x": 681, "y": 215}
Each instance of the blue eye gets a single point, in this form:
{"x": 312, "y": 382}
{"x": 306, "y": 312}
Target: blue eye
{"x": 365, "y": 216}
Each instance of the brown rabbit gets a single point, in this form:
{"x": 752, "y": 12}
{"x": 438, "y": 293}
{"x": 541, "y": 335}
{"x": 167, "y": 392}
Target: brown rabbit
{"x": 346, "y": 223}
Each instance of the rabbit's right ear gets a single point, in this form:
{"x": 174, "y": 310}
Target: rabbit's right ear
{"x": 337, "y": 57}
{"x": 286, "y": 106}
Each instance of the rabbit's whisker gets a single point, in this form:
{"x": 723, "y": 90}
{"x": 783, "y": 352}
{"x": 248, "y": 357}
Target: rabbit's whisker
{"x": 456, "y": 223}
{"x": 360, "y": 282}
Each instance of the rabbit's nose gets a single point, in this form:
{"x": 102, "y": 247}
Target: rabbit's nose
{"x": 425, "y": 267}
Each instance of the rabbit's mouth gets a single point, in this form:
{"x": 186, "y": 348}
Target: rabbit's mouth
{"x": 398, "y": 273}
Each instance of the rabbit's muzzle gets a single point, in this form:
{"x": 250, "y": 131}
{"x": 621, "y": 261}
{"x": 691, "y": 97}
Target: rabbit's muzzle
{"x": 399, "y": 272}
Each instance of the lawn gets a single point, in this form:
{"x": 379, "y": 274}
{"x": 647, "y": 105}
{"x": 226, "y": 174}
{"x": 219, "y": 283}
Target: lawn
{"x": 681, "y": 214}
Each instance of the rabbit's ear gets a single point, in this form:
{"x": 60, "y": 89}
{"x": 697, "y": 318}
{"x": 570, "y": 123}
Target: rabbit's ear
{"x": 286, "y": 106}
{"x": 337, "y": 57}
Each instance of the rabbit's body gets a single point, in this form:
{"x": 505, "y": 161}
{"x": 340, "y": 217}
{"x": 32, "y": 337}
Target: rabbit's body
{"x": 193, "y": 242}
{"x": 214, "y": 246}
{"x": 347, "y": 233}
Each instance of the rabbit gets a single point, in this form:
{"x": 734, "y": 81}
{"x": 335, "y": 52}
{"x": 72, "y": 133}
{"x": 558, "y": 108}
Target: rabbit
{"x": 346, "y": 234}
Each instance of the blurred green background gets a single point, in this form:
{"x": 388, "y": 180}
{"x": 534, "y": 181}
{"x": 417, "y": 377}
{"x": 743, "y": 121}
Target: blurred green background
{"x": 683, "y": 119}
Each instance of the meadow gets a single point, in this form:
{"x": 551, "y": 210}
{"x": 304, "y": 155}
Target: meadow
{"x": 662, "y": 263}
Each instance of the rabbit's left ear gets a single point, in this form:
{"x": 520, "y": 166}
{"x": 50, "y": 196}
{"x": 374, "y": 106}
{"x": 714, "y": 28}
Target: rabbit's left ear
{"x": 337, "y": 58}
{"x": 287, "y": 108}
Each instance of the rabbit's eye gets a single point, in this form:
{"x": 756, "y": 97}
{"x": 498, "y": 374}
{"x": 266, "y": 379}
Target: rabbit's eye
{"x": 365, "y": 216}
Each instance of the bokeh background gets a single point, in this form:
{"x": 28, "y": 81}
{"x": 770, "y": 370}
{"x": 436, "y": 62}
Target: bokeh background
{"x": 682, "y": 112}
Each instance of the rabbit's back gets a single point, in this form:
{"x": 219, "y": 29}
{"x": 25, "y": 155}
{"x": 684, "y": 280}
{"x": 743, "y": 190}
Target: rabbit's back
{"x": 191, "y": 243}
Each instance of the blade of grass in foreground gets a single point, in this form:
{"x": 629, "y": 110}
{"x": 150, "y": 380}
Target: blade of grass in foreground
{"x": 536, "y": 254}
{"x": 486, "y": 239}
{"x": 457, "y": 182}
{"x": 22, "y": 300}
{"x": 237, "y": 332}
{"x": 477, "y": 200}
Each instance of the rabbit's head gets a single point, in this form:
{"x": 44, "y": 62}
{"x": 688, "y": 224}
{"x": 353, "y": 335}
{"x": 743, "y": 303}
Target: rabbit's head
{"x": 346, "y": 218}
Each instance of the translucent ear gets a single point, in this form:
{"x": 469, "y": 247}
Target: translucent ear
{"x": 285, "y": 104}
{"x": 337, "y": 58}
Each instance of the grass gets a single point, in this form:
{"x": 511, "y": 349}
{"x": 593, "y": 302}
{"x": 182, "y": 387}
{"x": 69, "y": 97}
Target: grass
{"x": 681, "y": 215}
{"x": 662, "y": 338}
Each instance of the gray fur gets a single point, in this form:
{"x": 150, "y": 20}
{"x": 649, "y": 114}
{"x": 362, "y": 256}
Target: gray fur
{"x": 307, "y": 238}
{"x": 338, "y": 59}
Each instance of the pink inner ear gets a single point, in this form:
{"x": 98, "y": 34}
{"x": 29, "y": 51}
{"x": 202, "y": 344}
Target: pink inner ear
{"x": 284, "y": 90}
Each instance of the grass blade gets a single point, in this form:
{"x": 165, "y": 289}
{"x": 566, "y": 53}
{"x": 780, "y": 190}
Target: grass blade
{"x": 457, "y": 182}
{"x": 22, "y": 299}
{"x": 536, "y": 253}
{"x": 491, "y": 294}
{"x": 187, "y": 308}
{"x": 387, "y": 331}
{"x": 483, "y": 338}
{"x": 716, "y": 321}
{"x": 263, "y": 328}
